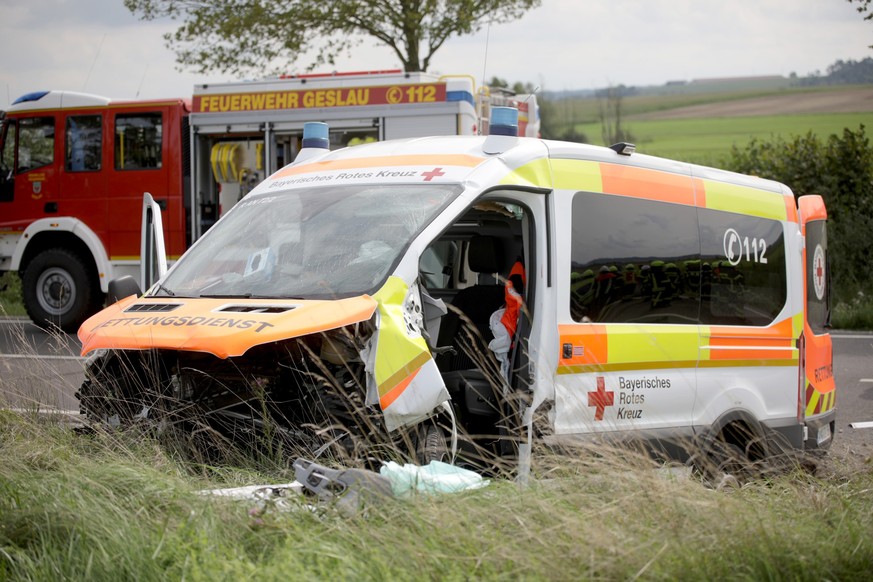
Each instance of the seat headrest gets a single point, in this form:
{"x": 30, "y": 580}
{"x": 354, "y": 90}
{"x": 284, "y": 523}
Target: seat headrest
{"x": 485, "y": 255}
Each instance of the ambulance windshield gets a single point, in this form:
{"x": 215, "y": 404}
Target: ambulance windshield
{"x": 314, "y": 243}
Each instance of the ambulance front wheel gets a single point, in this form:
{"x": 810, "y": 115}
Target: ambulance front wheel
{"x": 58, "y": 290}
{"x": 432, "y": 444}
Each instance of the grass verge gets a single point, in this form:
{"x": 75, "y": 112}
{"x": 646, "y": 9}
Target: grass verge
{"x": 110, "y": 506}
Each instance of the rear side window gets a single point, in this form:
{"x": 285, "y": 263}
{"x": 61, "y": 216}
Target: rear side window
{"x": 743, "y": 279}
{"x": 36, "y": 143}
{"x": 633, "y": 261}
{"x": 642, "y": 261}
{"x": 138, "y": 141}
{"x": 817, "y": 276}
{"x": 84, "y": 143}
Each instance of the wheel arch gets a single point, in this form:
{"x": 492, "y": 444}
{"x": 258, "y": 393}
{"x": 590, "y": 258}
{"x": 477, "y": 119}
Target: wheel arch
{"x": 68, "y": 233}
{"x": 740, "y": 427}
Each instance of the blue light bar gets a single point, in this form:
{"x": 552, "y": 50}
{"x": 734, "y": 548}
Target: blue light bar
{"x": 504, "y": 121}
{"x": 35, "y": 96}
{"x": 315, "y": 135}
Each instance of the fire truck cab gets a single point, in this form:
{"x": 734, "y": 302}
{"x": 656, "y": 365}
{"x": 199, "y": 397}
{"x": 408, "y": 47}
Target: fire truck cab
{"x": 73, "y": 169}
{"x": 75, "y": 166}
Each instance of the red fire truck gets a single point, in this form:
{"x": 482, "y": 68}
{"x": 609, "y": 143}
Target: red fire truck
{"x": 74, "y": 167}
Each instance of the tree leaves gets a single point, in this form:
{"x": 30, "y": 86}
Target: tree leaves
{"x": 840, "y": 169}
{"x": 244, "y": 37}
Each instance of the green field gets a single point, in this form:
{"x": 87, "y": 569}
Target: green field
{"x": 709, "y": 140}
{"x": 702, "y": 123}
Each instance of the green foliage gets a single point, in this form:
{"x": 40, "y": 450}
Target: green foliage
{"x": 843, "y": 73}
{"x": 10, "y": 294}
{"x": 117, "y": 507}
{"x": 854, "y": 314}
{"x": 840, "y": 169}
{"x": 261, "y": 36}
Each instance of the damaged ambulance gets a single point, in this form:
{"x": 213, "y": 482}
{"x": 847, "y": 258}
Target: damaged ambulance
{"x": 482, "y": 294}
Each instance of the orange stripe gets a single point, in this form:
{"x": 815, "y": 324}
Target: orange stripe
{"x": 648, "y": 184}
{"x": 745, "y": 342}
{"x": 752, "y": 354}
{"x": 790, "y": 209}
{"x": 782, "y": 329}
{"x": 592, "y": 338}
{"x": 383, "y": 161}
{"x": 699, "y": 191}
{"x": 393, "y": 394}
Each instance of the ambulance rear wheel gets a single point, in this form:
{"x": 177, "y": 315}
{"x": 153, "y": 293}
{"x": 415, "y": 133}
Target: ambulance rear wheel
{"x": 58, "y": 291}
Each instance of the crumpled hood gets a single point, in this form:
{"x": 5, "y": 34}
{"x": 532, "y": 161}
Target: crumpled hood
{"x": 223, "y": 327}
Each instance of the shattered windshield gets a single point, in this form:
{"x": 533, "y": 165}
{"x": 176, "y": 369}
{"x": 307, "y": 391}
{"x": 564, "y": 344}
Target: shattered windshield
{"x": 314, "y": 243}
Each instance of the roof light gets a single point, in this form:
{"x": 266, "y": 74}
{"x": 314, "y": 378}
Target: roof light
{"x": 35, "y": 96}
{"x": 504, "y": 121}
{"x": 623, "y": 148}
{"x": 315, "y": 135}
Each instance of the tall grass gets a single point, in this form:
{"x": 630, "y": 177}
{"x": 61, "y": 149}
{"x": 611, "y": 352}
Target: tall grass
{"x": 115, "y": 506}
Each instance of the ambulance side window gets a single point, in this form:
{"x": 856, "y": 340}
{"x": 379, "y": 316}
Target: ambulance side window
{"x": 744, "y": 281}
{"x": 437, "y": 263}
{"x": 634, "y": 260}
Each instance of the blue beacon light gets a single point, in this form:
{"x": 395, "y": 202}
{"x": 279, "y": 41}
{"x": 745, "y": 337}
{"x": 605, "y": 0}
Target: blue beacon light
{"x": 315, "y": 135}
{"x": 504, "y": 121}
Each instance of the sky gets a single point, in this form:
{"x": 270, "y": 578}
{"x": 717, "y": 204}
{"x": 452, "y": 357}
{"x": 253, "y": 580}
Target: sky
{"x": 99, "y": 47}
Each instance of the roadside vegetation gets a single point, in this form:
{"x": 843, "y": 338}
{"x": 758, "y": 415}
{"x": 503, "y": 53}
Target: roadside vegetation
{"x": 10, "y": 295}
{"x": 116, "y": 506}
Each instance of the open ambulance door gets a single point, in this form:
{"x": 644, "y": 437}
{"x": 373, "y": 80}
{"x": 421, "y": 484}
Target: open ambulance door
{"x": 817, "y": 400}
{"x": 153, "y": 256}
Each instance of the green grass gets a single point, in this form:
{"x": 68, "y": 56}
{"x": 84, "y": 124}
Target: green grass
{"x": 709, "y": 140}
{"x": 118, "y": 507}
{"x": 10, "y": 295}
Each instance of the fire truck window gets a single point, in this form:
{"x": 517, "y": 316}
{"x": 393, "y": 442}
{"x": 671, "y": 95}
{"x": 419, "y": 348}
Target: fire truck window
{"x": 633, "y": 261}
{"x": 36, "y": 143}
{"x": 138, "y": 140}
{"x": 84, "y": 143}
{"x": 7, "y": 161}
{"x": 745, "y": 281}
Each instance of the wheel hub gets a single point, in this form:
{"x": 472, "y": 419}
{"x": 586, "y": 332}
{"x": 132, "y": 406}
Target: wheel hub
{"x": 55, "y": 291}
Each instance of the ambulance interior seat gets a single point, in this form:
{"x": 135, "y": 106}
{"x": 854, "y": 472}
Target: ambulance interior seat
{"x": 466, "y": 383}
{"x": 477, "y": 302}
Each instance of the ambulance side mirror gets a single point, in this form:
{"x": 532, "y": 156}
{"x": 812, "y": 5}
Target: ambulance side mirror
{"x": 122, "y": 288}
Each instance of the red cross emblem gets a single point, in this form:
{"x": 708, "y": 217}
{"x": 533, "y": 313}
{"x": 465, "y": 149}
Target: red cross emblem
{"x": 601, "y": 398}
{"x": 435, "y": 173}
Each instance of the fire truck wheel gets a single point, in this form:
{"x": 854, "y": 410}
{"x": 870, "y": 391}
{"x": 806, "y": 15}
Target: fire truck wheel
{"x": 57, "y": 291}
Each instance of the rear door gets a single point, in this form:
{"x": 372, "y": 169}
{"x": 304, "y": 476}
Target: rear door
{"x": 819, "y": 397}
